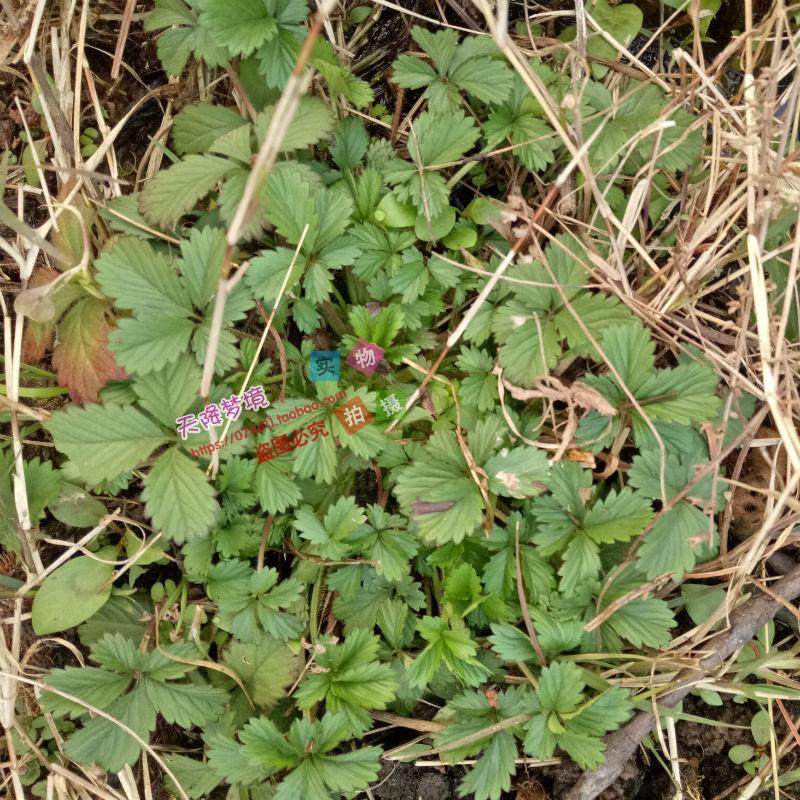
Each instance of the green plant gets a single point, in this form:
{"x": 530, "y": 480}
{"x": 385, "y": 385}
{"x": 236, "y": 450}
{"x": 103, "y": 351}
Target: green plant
{"x": 512, "y": 545}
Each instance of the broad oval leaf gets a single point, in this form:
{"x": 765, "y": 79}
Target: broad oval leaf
{"x": 71, "y": 594}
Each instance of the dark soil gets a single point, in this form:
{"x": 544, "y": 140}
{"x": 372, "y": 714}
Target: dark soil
{"x": 706, "y": 770}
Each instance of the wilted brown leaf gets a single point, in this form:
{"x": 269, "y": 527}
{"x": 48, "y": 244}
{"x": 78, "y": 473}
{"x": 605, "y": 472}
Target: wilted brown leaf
{"x": 81, "y": 357}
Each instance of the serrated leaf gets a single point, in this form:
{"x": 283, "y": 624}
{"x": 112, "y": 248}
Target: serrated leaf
{"x": 643, "y": 622}
{"x": 277, "y": 490}
{"x": 673, "y": 543}
{"x": 178, "y": 498}
{"x": 683, "y": 394}
{"x": 140, "y": 279}
{"x": 149, "y": 342}
{"x": 176, "y": 189}
{"x": 491, "y": 775}
{"x": 185, "y": 704}
{"x": 104, "y": 441}
{"x": 617, "y": 517}
{"x": 560, "y": 687}
{"x": 352, "y": 681}
{"x": 436, "y": 491}
{"x": 520, "y": 472}
{"x": 81, "y": 357}
{"x": 439, "y": 140}
{"x": 168, "y": 392}
{"x": 94, "y": 686}
{"x": 312, "y": 122}
{"x": 195, "y": 777}
{"x": 511, "y": 644}
{"x": 240, "y": 25}
{"x": 267, "y": 668}
{"x": 203, "y": 255}
{"x": 199, "y": 125}
{"x": 105, "y": 743}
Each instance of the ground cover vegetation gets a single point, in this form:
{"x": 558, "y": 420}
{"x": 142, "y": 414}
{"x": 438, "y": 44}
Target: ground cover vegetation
{"x": 567, "y": 237}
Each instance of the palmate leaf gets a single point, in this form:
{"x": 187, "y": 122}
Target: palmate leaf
{"x": 454, "y": 648}
{"x": 315, "y": 773}
{"x": 352, "y": 681}
{"x": 328, "y": 536}
{"x": 467, "y": 67}
{"x": 252, "y": 601}
{"x": 104, "y": 441}
{"x": 178, "y": 498}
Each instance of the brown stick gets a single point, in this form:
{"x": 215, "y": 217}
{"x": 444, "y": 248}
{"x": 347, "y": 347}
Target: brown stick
{"x": 744, "y": 624}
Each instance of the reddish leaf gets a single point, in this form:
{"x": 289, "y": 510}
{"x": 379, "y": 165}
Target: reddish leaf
{"x": 38, "y": 335}
{"x": 81, "y": 357}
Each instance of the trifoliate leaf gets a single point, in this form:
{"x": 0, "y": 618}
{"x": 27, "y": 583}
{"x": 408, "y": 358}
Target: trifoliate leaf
{"x": 453, "y": 647}
{"x": 352, "y": 680}
{"x": 178, "y": 498}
